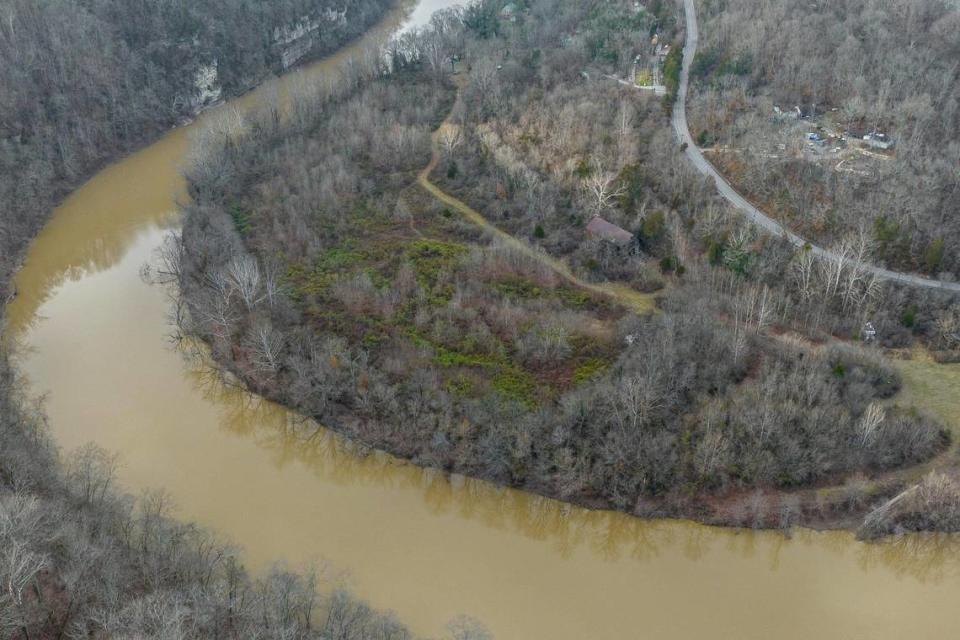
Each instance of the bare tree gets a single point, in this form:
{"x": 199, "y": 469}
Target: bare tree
{"x": 466, "y": 628}
{"x": 266, "y": 345}
{"x": 869, "y": 423}
{"x": 450, "y": 137}
{"x": 602, "y": 187}
{"x": 243, "y": 275}
{"x": 19, "y": 565}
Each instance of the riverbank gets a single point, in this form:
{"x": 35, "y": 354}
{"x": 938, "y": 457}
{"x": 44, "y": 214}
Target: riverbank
{"x": 36, "y": 179}
{"x": 424, "y": 544}
{"x": 72, "y": 539}
{"x": 46, "y": 194}
{"x": 293, "y": 336}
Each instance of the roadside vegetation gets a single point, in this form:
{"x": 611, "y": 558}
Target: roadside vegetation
{"x": 324, "y": 277}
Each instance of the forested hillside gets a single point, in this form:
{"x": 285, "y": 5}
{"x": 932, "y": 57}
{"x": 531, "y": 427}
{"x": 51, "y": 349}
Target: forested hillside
{"x": 82, "y": 81}
{"x": 789, "y": 95}
{"x": 324, "y": 277}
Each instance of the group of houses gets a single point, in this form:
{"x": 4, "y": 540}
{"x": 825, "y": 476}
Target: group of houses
{"x": 648, "y": 65}
{"x": 870, "y": 137}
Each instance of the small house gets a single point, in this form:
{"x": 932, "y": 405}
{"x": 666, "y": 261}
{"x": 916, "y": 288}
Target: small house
{"x": 600, "y": 229}
{"x": 878, "y": 141}
{"x": 509, "y": 12}
{"x": 789, "y": 114}
{"x": 855, "y": 131}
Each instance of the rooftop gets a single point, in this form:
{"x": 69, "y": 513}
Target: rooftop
{"x": 600, "y": 228}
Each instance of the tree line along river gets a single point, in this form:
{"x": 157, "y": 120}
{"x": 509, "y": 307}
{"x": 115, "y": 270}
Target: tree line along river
{"x": 95, "y": 338}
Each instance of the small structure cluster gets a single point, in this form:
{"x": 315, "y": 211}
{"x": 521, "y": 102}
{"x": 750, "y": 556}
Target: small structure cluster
{"x": 796, "y": 113}
{"x": 826, "y": 131}
{"x": 648, "y": 66}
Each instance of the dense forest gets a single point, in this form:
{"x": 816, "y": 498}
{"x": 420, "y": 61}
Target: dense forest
{"x": 82, "y": 81}
{"x": 85, "y": 80}
{"x": 786, "y": 95}
{"x": 324, "y": 276}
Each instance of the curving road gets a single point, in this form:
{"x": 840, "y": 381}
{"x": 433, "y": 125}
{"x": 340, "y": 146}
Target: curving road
{"x": 682, "y": 131}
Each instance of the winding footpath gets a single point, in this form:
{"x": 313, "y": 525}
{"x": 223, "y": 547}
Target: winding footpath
{"x": 629, "y": 297}
{"x": 755, "y": 215}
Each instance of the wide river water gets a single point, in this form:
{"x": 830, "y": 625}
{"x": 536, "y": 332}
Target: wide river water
{"x": 95, "y": 339}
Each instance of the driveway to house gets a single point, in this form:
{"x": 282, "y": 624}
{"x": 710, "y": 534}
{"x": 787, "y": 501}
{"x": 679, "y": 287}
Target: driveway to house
{"x": 758, "y": 217}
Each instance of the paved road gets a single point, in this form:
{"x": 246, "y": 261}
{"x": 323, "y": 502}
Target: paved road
{"x": 682, "y": 130}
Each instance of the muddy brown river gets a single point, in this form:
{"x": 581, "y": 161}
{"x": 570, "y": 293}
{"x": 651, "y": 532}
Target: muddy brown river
{"x": 95, "y": 339}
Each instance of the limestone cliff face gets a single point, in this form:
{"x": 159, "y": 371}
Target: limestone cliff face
{"x": 206, "y": 81}
{"x": 202, "y": 91}
{"x": 290, "y": 43}
{"x": 296, "y": 41}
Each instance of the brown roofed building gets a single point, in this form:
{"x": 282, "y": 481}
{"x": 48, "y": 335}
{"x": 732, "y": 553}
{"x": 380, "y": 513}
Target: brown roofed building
{"x": 602, "y": 230}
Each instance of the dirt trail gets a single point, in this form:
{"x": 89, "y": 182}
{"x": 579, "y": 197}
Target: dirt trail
{"x": 630, "y": 298}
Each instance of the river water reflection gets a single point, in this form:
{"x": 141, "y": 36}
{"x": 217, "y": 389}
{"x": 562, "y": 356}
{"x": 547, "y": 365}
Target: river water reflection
{"x": 429, "y": 546}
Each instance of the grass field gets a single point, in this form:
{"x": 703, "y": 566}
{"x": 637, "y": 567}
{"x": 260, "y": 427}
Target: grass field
{"x": 933, "y": 387}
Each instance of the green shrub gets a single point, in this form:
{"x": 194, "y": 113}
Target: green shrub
{"x": 519, "y": 288}
{"x": 933, "y": 256}
{"x": 671, "y": 264}
{"x": 634, "y": 192}
{"x": 588, "y": 369}
{"x": 459, "y": 385}
{"x": 583, "y": 169}
{"x": 715, "y": 252}
{"x": 909, "y": 317}
{"x": 241, "y": 219}
{"x": 517, "y": 385}
{"x": 654, "y": 226}
{"x": 576, "y": 298}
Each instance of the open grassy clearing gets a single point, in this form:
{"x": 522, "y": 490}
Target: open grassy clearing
{"x": 933, "y": 386}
